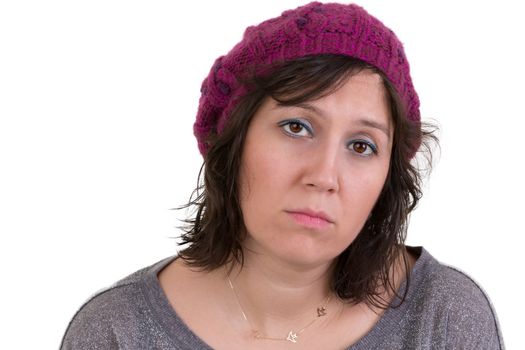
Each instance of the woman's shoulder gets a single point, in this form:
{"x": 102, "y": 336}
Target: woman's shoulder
{"x": 117, "y": 308}
{"x": 462, "y": 306}
{"x": 449, "y": 284}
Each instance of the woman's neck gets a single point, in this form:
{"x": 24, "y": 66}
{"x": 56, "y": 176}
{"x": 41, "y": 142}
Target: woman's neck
{"x": 277, "y": 295}
{"x": 274, "y": 292}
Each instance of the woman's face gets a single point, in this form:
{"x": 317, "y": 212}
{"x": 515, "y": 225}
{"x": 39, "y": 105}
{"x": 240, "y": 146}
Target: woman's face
{"x": 311, "y": 174}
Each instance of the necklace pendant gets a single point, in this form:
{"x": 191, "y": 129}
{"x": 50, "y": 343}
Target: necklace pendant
{"x": 321, "y": 311}
{"x": 292, "y": 337}
{"x": 256, "y": 334}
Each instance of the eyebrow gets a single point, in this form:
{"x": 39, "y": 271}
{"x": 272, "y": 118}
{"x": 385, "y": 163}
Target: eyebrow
{"x": 362, "y": 121}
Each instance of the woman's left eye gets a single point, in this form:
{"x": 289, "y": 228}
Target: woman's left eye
{"x": 362, "y": 148}
{"x": 296, "y": 128}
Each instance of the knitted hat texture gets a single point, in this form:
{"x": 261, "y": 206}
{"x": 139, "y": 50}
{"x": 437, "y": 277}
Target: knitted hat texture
{"x": 312, "y": 29}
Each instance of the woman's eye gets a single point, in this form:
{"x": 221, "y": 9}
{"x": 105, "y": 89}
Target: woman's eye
{"x": 363, "y": 148}
{"x": 295, "y": 128}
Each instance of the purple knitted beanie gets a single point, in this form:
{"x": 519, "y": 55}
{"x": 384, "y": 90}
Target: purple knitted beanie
{"x": 312, "y": 29}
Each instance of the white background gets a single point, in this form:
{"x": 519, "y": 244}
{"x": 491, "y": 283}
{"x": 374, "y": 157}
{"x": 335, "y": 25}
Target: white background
{"x": 97, "y": 102}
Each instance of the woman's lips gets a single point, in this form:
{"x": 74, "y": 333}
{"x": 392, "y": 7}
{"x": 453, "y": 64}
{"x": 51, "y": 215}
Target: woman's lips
{"x": 310, "y": 220}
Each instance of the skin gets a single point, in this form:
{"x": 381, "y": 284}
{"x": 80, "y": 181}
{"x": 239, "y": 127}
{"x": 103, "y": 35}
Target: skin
{"x": 330, "y": 155}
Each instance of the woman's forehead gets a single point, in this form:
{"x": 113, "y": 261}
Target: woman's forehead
{"x": 362, "y": 90}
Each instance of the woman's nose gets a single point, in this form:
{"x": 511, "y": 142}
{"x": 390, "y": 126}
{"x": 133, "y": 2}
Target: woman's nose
{"x": 322, "y": 170}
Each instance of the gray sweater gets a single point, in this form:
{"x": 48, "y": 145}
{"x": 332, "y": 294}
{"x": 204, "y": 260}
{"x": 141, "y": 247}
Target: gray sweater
{"x": 444, "y": 309}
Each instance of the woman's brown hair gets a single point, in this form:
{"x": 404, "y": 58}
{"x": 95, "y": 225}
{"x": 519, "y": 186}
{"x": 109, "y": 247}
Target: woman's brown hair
{"x": 213, "y": 236}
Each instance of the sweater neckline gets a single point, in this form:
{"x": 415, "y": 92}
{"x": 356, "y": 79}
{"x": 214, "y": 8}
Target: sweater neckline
{"x": 393, "y": 316}
{"x": 167, "y": 318}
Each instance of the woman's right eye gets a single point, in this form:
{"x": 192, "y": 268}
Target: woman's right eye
{"x": 296, "y": 128}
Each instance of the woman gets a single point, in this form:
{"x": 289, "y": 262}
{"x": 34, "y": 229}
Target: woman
{"x": 308, "y": 128}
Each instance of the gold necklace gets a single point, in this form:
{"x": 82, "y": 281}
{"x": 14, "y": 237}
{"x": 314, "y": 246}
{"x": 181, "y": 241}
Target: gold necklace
{"x": 292, "y": 336}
